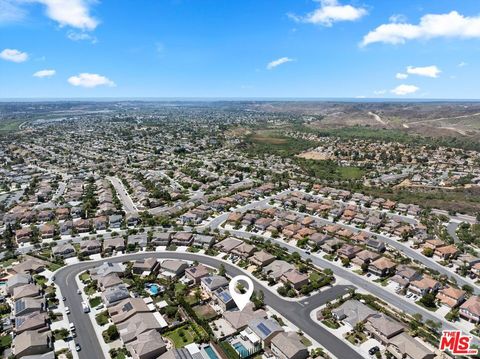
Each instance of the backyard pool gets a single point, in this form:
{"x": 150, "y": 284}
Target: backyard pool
{"x": 154, "y": 289}
{"x": 211, "y": 354}
{"x": 241, "y": 350}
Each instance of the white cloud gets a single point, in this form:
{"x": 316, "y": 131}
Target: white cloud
{"x": 74, "y": 13}
{"x": 13, "y": 55}
{"x": 397, "y": 18}
{"x": 379, "y": 92}
{"x": 10, "y": 12}
{"x": 427, "y": 71}
{"x": 451, "y": 25}
{"x": 329, "y": 12}
{"x": 44, "y": 73}
{"x": 81, "y": 36}
{"x": 402, "y": 90}
{"x": 283, "y": 60}
{"x": 90, "y": 80}
{"x": 401, "y": 76}
{"x": 462, "y": 64}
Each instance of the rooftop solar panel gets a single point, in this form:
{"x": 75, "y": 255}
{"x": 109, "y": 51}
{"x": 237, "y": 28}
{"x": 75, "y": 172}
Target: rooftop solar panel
{"x": 263, "y": 328}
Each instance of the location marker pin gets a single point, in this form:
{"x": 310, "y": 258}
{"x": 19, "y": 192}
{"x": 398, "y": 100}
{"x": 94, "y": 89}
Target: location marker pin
{"x": 241, "y": 300}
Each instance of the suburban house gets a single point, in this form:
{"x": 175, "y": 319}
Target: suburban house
{"x": 173, "y": 267}
{"x": 161, "y": 238}
{"x": 196, "y": 273}
{"x": 288, "y": 346}
{"x": 63, "y": 251}
{"x": 451, "y": 297}
{"x": 382, "y": 267}
{"x": 261, "y": 258}
{"x": 228, "y": 244}
{"x": 424, "y": 285}
{"x": 276, "y": 269}
{"x": 352, "y": 312}
{"x": 224, "y": 299}
{"x": 382, "y": 327}
{"x": 90, "y": 246}
{"x": 145, "y": 266}
{"x": 116, "y": 244}
{"x": 211, "y": 283}
{"x": 470, "y": 310}
{"x": 182, "y": 239}
{"x": 295, "y": 278}
{"x": 405, "y": 346}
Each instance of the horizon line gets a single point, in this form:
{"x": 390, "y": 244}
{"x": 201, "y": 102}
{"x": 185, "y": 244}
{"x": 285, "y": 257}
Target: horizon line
{"x": 234, "y": 98}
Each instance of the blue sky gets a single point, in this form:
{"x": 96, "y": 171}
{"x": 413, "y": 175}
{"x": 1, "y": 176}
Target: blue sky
{"x": 249, "y": 48}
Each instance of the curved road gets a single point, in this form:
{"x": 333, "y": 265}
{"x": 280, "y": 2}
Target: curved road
{"x": 297, "y": 313}
{"x": 360, "y": 282}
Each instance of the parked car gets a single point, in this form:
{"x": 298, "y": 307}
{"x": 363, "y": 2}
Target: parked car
{"x": 67, "y": 310}
{"x": 373, "y": 350}
{"x": 78, "y": 347}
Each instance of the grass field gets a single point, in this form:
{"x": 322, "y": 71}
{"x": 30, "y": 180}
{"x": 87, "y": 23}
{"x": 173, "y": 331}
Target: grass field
{"x": 273, "y": 142}
{"x": 183, "y": 336}
{"x": 9, "y": 126}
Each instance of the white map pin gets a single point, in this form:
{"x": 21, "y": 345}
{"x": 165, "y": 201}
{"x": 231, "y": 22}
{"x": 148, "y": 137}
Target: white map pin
{"x": 241, "y": 300}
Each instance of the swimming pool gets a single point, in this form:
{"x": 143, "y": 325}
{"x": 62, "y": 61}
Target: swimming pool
{"x": 240, "y": 348}
{"x": 211, "y": 354}
{"x": 154, "y": 289}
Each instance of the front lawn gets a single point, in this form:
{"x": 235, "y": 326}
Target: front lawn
{"x": 330, "y": 323}
{"x": 95, "y": 301}
{"x": 85, "y": 277}
{"x": 102, "y": 318}
{"x": 52, "y": 267}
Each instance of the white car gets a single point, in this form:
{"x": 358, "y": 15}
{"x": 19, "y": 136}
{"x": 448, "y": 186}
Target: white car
{"x": 67, "y": 310}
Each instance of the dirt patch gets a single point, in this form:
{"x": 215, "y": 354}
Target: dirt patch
{"x": 313, "y": 155}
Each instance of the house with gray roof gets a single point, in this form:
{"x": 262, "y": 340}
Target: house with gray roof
{"x": 265, "y": 329}
{"x": 139, "y": 323}
{"x": 288, "y": 346}
{"x": 213, "y": 282}
{"x": 137, "y": 240}
{"x": 65, "y": 250}
{"x": 115, "y": 294}
{"x": 17, "y": 280}
{"x": 147, "y": 345}
{"x": 161, "y": 238}
{"x": 173, "y": 267}
{"x": 202, "y": 240}
{"x": 223, "y": 298}
{"x": 107, "y": 268}
{"x": 352, "y": 312}
{"x": 382, "y": 327}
